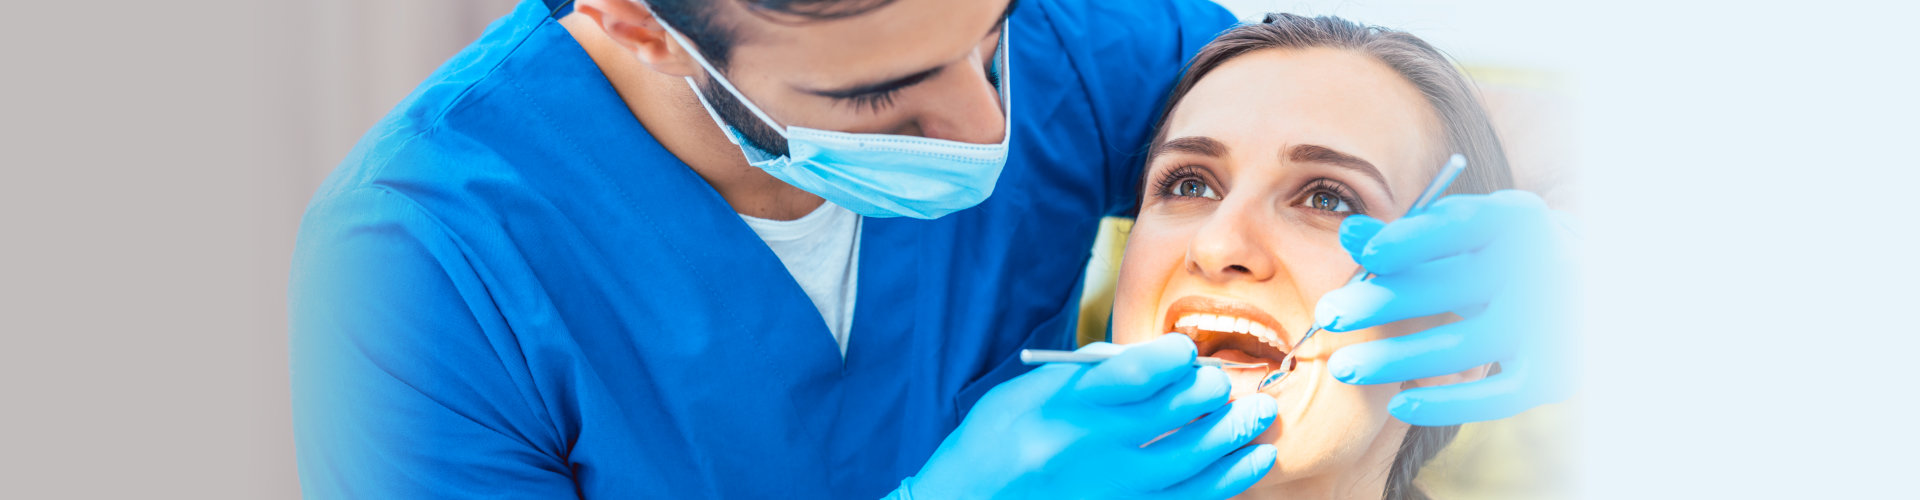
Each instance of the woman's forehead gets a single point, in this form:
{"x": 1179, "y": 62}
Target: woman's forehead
{"x": 1265, "y": 101}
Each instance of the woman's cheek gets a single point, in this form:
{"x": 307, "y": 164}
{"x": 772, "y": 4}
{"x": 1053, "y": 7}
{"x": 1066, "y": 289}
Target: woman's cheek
{"x": 1152, "y": 257}
{"x": 1134, "y": 301}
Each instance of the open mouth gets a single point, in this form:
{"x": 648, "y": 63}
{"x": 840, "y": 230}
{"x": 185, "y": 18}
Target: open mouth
{"x": 1231, "y": 331}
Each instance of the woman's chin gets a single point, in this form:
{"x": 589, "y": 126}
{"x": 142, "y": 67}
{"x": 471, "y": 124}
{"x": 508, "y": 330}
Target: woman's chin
{"x": 1295, "y": 395}
{"x": 1295, "y": 392}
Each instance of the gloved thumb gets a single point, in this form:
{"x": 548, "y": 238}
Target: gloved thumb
{"x": 1139, "y": 372}
{"x": 1356, "y": 231}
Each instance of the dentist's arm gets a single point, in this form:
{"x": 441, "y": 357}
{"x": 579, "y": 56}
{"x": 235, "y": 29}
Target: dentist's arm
{"x": 1502, "y": 261}
{"x": 1076, "y": 431}
{"x": 400, "y": 389}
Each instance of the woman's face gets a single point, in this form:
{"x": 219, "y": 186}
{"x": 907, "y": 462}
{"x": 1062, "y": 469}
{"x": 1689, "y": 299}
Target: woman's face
{"x": 1244, "y": 196}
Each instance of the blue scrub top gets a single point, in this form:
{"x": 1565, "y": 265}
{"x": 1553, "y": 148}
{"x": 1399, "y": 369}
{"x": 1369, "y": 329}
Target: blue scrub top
{"x": 509, "y": 289}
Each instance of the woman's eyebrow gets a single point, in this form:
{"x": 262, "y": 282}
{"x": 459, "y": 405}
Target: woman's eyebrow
{"x": 1309, "y": 153}
{"x": 1199, "y": 145}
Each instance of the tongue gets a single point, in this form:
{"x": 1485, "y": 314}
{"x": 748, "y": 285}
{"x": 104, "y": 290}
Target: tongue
{"x": 1244, "y": 380}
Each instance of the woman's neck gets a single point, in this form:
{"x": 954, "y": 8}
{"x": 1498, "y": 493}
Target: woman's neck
{"x": 1363, "y": 479}
{"x": 1367, "y": 485}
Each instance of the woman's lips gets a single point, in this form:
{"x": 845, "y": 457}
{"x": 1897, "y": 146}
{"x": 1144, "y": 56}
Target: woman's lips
{"x": 1232, "y": 331}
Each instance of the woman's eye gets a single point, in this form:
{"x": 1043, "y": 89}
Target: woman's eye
{"x": 1328, "y": 202}
{"x": 1194, "y": 188}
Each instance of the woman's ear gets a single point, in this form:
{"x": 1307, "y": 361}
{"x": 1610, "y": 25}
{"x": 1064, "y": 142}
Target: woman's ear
{"x": 1469, "y": 375}
{"x": 631, "y": 26}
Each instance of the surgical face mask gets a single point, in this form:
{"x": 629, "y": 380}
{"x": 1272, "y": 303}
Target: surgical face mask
{"x": 875, "y": 175}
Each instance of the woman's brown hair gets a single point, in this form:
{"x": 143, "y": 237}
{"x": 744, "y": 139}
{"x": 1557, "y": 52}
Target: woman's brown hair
{"x": 1468, "y": 131}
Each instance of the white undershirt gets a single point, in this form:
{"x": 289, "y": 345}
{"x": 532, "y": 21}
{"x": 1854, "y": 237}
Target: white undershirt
{"x": 822, "y": 252}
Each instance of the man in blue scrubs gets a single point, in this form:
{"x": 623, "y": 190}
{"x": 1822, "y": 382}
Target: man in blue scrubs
{"x": 557, "y": 270}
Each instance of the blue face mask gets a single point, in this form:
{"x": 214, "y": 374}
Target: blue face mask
{"x": 875, "y": 175}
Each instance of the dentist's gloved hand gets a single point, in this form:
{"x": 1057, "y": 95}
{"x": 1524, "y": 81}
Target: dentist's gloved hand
{"x": 1075, "y": 431}
{"x": 1502, "y": 261}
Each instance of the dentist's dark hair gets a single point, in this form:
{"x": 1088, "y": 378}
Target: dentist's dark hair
{"x": 1467, "y": 130}
{"x": 704, "y": 25}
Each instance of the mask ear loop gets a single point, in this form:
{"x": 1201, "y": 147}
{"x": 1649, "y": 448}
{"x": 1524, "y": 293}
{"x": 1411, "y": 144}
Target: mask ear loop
{"x": 1002, "y": 71}
{"x": 714, "y": 72}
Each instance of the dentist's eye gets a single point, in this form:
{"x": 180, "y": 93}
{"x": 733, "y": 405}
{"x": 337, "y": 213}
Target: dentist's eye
{"x": 1331, "y": 196}
{"x": 873, "y": 102}
{"x": 992, "y": 66}
{"x": 1185, "y": 182}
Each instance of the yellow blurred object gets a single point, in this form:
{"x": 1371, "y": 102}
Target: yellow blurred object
{"x": 1103, "y": 271}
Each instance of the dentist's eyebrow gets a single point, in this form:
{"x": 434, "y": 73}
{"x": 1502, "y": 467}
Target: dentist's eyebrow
{"x": 1198, "y": 145}
{"x": 1309, "y": 153}
{"x": 892, "y": 84}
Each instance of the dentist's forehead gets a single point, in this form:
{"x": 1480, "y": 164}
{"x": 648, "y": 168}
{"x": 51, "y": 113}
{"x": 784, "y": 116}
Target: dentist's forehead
{"x": 891, "y": 40}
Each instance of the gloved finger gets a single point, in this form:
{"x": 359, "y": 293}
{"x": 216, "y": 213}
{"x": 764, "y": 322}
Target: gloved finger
{"x": 1503, "y": 395}
{"x": 1454, "y": 225}
{"x": 1197, "y": 445}
{"x": 1446, "y": 285}
{"x": 1138, "y": 372}
{"x": 1207, "y": 391}
{"x": 1441, "y": 350}
{"x": 1101, "y": 348}
{"x": 1052, "y": 378}
{"x": 1226, "y": 477}
{"x": 1355, "y": 231}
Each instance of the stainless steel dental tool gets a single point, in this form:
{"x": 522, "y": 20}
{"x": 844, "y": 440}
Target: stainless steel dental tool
{"x": 1043, "y": 356}
{"x": 1455, "y": 164}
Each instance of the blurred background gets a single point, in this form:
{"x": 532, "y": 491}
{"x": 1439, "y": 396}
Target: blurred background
{"x": 1742, "y": 168}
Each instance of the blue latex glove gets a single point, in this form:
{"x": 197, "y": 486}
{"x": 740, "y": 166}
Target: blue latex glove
{"x": 1075, "y": 431}
{"x": 1501, "y": 261}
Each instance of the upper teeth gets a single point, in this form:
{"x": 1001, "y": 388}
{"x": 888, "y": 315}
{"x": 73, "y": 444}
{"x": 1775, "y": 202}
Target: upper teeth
{"x": 1222, "y": 323}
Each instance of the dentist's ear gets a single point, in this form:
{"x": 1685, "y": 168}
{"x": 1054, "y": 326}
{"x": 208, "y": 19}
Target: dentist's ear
{"x": 630, "y": 25}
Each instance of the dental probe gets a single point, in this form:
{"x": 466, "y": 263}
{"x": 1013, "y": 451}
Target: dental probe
{"x": 1043, "y": 356}
{"x": 1455, "y": 164}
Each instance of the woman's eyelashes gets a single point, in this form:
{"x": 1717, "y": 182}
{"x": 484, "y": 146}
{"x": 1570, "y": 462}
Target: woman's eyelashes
{"x": 1190, "y": 182}
{"x": 1184, "y": 181}
{"x": 1331, "y": 196}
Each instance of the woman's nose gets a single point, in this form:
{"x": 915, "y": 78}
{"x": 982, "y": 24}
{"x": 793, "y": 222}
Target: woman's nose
{"x": 1228, "y": 247}
{"x": 968, "y": 108}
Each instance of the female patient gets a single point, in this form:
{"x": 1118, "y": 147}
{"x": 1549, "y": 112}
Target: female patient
{"x": 1276, "y": 133}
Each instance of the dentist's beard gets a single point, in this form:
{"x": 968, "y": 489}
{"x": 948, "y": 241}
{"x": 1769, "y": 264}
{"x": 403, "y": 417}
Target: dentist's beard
{"x": 740, "y": 118}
